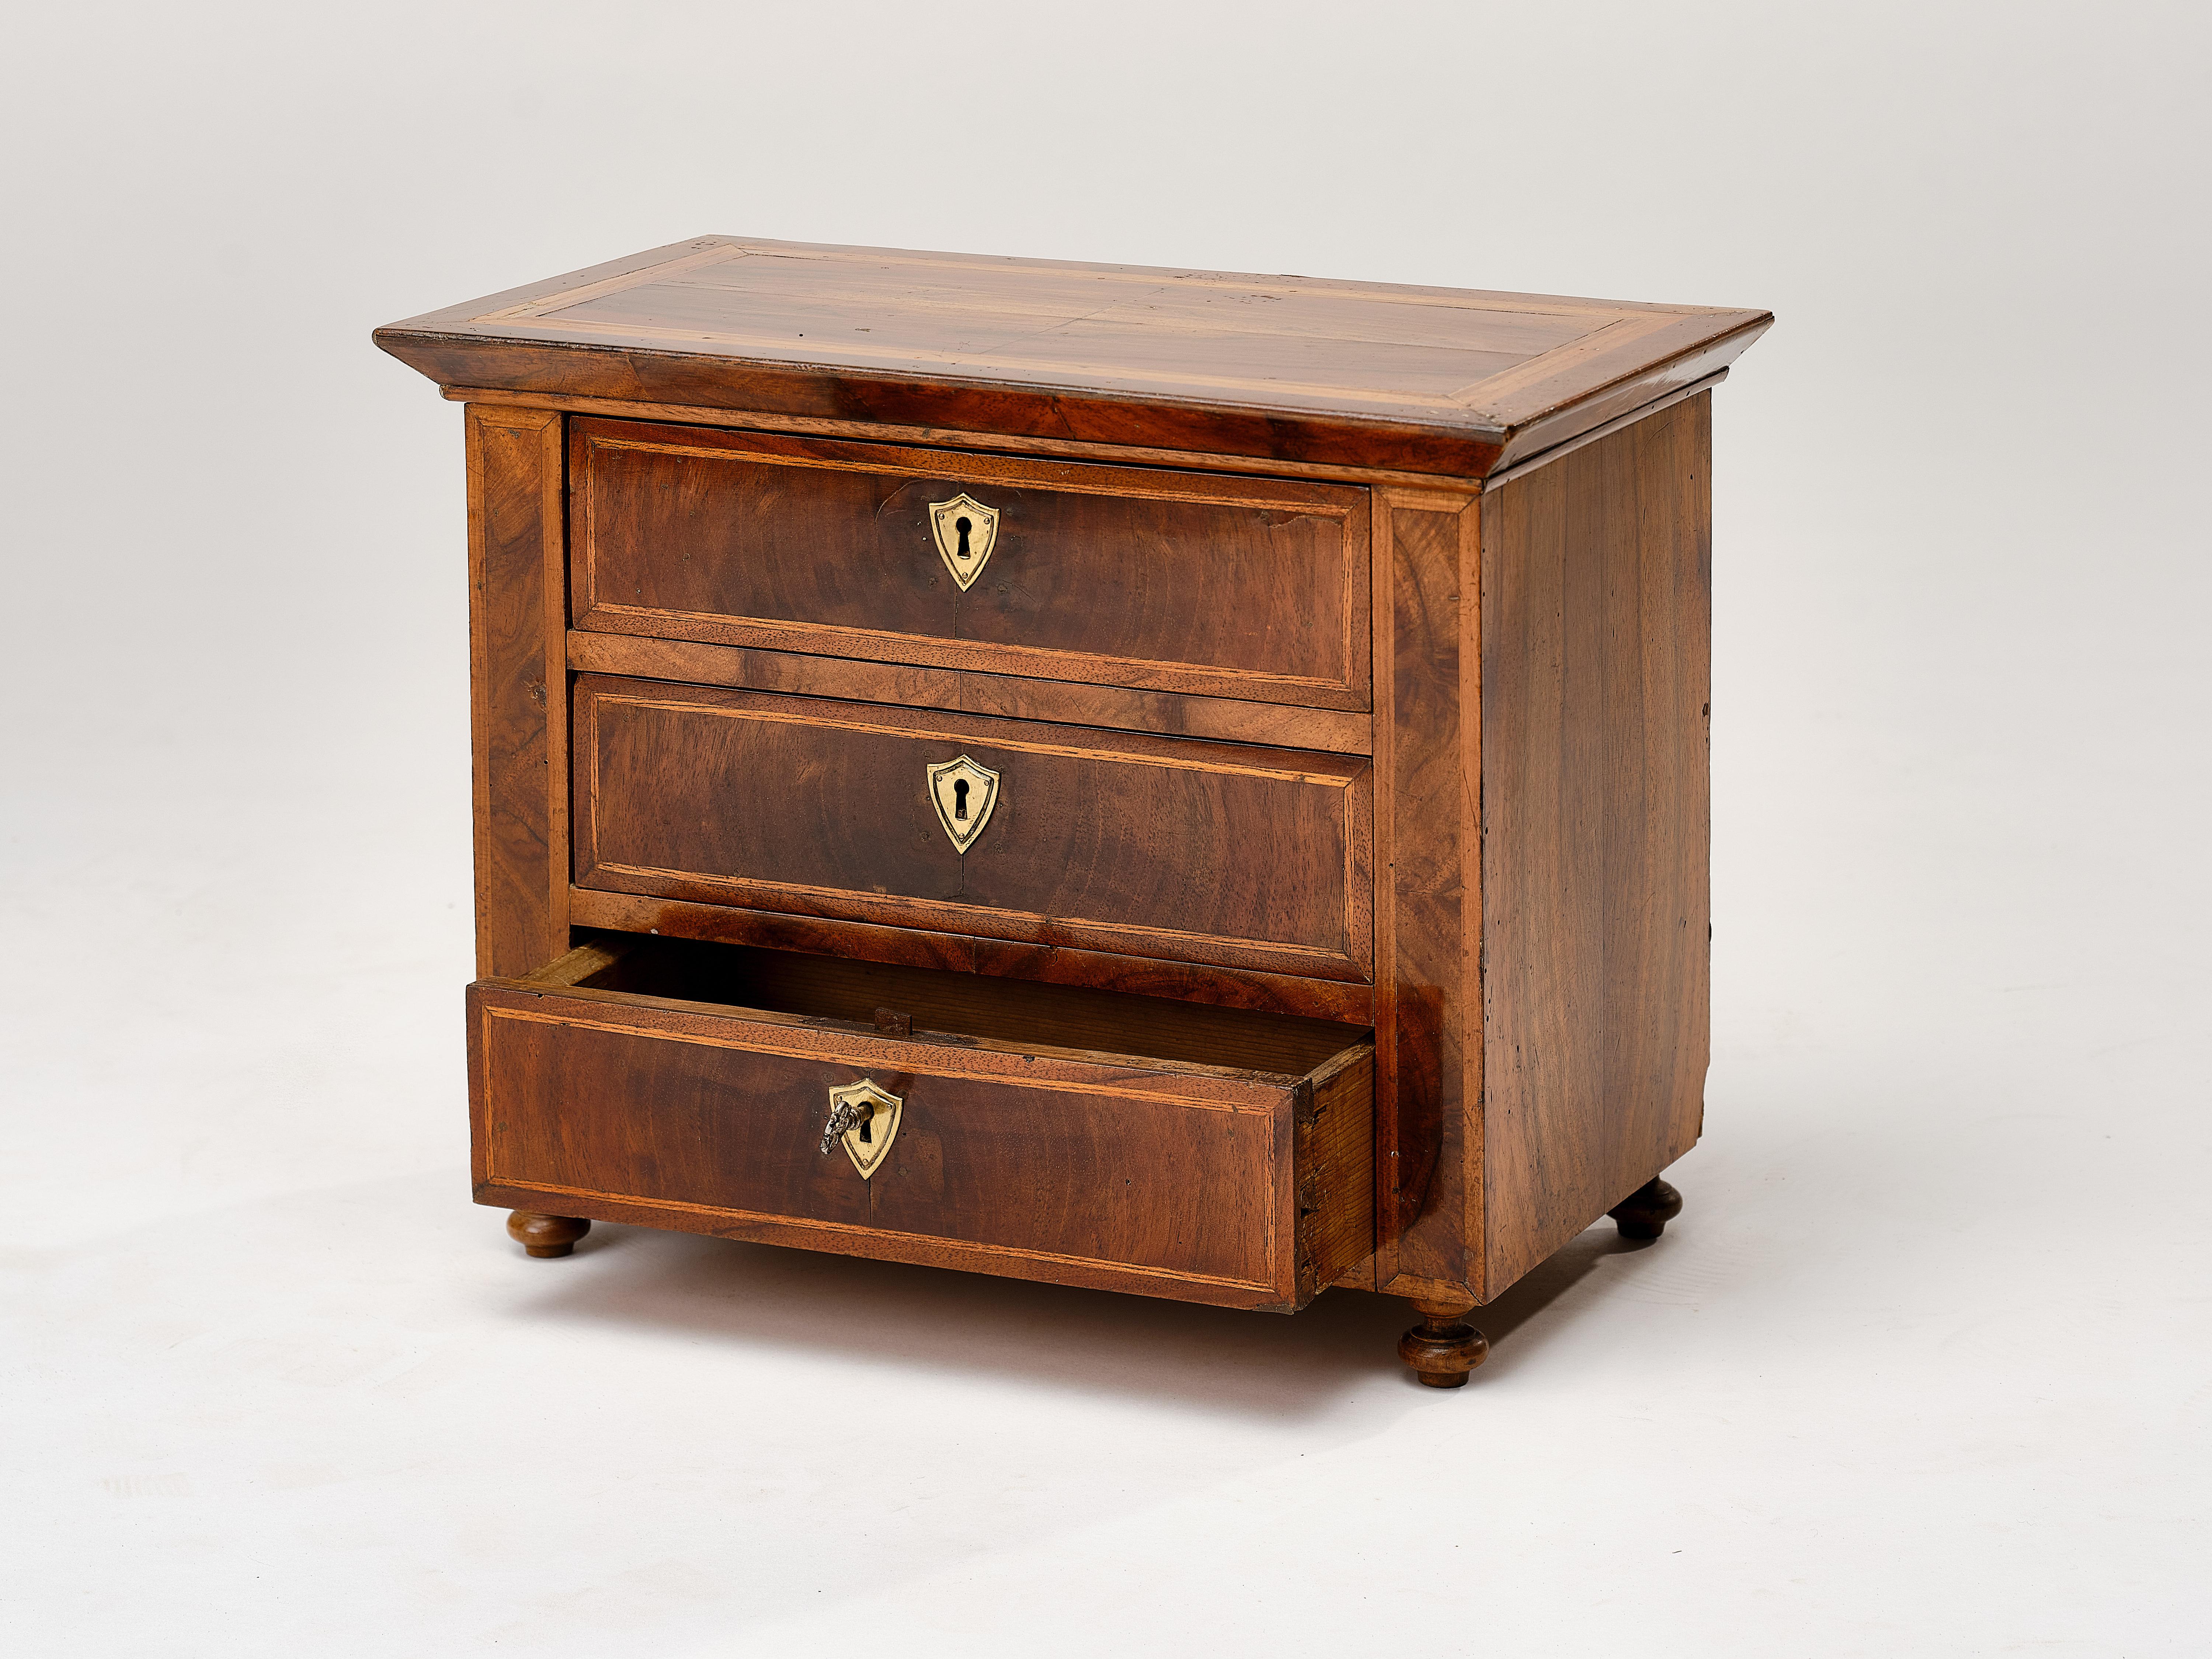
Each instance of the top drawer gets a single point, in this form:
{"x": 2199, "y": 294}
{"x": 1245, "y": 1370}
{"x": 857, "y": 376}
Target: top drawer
{"x": 1172, "y": 581}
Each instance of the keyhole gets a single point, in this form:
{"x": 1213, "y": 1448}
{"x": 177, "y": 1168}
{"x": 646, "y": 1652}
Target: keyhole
{"x": 866, "y": 1124}
{"x": 960, "y": 798}
{"x": 964, "y": 526}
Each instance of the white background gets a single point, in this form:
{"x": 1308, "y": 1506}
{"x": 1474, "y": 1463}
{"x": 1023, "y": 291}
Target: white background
{"x": 1924, "y": 1369}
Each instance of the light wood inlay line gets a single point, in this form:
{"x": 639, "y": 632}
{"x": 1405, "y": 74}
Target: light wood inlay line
{"x": 1009, "y": 1251}
{"x": 1141, "y": 281}
{"x": 925, "y": 734}
{"x": 952, "y": 470}
{"x": 970, "y": 692}
{"x": 1043, "y": 656}
{"x": 907, "y": 356}
{"x": 982, "y": 1065}
{"x": 612, "y": 284}
{"x": 975, "y": 914}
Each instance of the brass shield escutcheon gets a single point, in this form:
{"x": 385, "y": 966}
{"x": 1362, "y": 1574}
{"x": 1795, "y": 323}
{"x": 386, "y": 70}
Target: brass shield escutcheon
{"x": 964, "y": 794}
{"x": 966, "y": 531}
{"x": 868, "y": 1142}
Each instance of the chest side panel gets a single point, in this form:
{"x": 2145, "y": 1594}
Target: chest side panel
{"x": 1597, "y": 675}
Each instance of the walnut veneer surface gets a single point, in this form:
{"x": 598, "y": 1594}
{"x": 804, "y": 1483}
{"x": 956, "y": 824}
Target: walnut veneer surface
{"x": 1329, "y": 666}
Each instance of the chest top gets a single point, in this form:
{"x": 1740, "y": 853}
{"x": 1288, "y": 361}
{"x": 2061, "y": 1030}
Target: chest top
{"x": 1447, "y": 381}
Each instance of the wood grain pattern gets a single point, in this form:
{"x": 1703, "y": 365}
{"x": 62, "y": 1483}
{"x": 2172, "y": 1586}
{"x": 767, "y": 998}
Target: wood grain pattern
{"x": 1139, "y": 845}
{"x": 518, "y": 684}
{"x": 1211, "y": 985}
{"x": 1172, "y": 581}
{"x": 1222, "y": 720}
{"x": 1597, "y": 615}
{"x": 1423, "y": 379}
{"x": 1171, "y": 1178}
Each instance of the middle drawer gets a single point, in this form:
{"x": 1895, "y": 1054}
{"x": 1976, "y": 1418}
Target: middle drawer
{"x": 1231, "y": 855}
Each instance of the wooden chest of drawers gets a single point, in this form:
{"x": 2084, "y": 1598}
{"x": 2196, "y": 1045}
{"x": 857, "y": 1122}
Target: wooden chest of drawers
{"x": 1174, "y": 782}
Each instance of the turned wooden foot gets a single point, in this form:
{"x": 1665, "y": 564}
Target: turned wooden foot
{"x": 545, "y": 1234}
{"x": 1441, "y": 1349}
{"x": 1645, "y": 1213}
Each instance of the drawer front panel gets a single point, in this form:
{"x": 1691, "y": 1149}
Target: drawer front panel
{"x": 1148, "y": 847}
{"x": 1248, "y": 588}
{"x": 581, "y": 1104}
{"x": 1178, "y": 1181}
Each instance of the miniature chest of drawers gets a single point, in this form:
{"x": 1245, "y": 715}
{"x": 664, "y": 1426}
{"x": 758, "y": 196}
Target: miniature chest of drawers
{"x": 1161, "y": 780}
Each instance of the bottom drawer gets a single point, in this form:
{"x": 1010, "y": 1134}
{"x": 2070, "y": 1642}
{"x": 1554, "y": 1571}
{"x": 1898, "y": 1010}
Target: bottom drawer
{"x": 1043, "y": 1132}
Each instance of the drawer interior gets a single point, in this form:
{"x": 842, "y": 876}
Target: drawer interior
{"x": 938, "y": 1001}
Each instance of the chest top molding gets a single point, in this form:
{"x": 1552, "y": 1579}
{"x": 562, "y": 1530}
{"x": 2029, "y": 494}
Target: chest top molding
{"x": 1449, "y": 381}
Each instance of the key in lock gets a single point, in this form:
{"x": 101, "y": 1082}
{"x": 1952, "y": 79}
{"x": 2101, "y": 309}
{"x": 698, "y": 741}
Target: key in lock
{"x": 864, "y": 1118}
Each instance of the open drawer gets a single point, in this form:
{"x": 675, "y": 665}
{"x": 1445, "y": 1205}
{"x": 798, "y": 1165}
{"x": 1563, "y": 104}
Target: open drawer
{"x": 1037, "y": 1131}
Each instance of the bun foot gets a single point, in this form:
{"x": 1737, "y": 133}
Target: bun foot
{"x": 545, "y": 1234}
{"x": 1645, "y": 1213}
{"x": 1441, "y": 1349}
